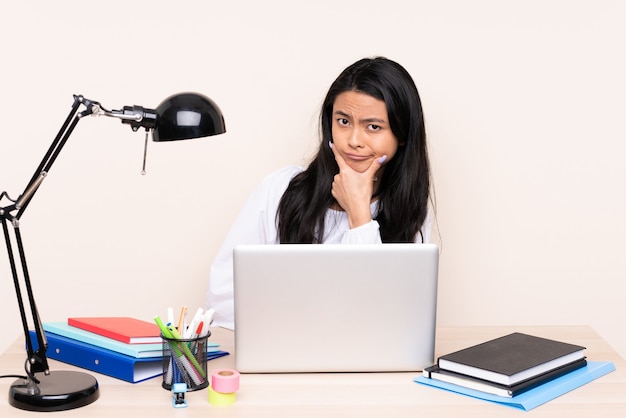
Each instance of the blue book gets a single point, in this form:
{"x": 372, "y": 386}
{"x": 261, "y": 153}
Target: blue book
{"x": 133, "y": 350}
{"x": 537, "y": 396}
{"x": 101, "y": 360}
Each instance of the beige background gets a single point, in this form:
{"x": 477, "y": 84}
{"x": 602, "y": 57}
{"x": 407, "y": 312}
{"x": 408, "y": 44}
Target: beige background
{"x": 525, "y": 110}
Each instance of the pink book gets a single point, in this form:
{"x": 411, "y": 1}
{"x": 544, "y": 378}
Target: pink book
{"x": 125, "y": 329}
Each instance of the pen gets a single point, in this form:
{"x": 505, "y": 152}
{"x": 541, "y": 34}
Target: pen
{"x": 170, "y": 315}
{"x": 207, "y": 319}
{"x": 201, "y": 349}
{"x": 164, "y": 330}
{"x": 169, "y": 373}
{"x": 188, "y": 332}
{"x": 198, "y": 331}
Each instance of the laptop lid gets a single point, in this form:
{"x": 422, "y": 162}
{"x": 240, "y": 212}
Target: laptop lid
{"x": 335, "y": 308}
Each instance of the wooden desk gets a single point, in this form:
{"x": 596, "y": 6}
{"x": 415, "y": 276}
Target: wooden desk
{"x": 345, "y": 394}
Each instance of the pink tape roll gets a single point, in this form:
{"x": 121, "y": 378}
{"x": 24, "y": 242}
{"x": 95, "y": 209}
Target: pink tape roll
{"x": 225, "y": 380}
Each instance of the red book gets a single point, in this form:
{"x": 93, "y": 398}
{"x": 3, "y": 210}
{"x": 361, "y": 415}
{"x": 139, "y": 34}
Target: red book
{"x": 125, "y": 329}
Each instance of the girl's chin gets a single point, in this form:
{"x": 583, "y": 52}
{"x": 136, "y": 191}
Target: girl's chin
{"x": 359, "y": 166}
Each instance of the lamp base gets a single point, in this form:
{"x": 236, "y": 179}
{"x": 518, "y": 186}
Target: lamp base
{"x": 58, "y": 391}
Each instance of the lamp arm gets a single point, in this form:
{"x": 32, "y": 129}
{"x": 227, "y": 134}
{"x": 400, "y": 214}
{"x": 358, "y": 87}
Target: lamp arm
{"x": 53, "y": 152}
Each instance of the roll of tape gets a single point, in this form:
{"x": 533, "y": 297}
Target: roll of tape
{"x": 225, "y": 380}
{"x": 219, "y": 399}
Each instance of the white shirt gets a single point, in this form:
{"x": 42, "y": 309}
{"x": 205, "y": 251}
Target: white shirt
{"x": 256, "y": 224}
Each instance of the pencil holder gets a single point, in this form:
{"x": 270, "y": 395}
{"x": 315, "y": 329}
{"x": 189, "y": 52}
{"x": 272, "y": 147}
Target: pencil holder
{"x": 185, "y": 361}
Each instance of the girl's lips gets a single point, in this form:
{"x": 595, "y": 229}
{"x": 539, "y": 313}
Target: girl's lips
{"x": 355, "y": 157}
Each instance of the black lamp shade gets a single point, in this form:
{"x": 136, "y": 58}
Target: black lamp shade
{"x": 187, "y": 115}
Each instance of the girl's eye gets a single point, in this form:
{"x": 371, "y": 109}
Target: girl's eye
{"x": 374, "y": 127}
{"x": 342, "y": 121}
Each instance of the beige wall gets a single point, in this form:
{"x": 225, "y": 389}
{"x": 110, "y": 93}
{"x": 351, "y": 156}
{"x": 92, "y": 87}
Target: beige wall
{"x": 525, "y": 110}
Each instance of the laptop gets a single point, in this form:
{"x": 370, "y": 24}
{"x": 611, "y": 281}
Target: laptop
{"x": 335, "y": 308}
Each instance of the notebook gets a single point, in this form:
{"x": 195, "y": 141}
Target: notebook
{"x": 335, "y": 308}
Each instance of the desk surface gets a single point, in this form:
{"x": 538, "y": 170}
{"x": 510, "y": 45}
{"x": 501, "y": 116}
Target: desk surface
{"x": 345, "y": 394}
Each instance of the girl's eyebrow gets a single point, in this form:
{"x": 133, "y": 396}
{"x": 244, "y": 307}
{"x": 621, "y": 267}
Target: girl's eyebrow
{"x": 340, "y": 113}
{"x": 366, "y": 120}
{"x": 372, "y": 120}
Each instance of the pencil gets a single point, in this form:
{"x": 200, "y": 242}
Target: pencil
{"x": 183, "y": 311}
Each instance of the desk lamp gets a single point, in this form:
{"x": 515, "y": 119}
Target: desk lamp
{"x": 181, "y": 116}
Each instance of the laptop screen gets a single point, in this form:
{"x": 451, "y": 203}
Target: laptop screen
{"x": 335, "y": 308}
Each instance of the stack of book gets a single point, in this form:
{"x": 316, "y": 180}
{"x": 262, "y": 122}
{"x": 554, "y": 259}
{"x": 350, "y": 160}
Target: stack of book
{"x": 126, "y": 348}
{"x": 514, "y": 366}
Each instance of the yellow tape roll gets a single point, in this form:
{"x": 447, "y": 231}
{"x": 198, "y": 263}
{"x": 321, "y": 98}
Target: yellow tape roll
{"x": 219, "y": 399}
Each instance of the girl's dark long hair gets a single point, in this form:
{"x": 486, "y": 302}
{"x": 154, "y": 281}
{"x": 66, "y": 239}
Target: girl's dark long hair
{"x": 404, "y": 186}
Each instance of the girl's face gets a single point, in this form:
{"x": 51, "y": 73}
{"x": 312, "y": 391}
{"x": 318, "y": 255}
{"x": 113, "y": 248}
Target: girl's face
{"x": 361, "y": 131}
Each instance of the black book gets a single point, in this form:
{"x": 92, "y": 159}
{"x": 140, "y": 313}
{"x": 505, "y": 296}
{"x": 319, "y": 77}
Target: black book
{"x": 511, "y": 359}
{"x": 469, "y": 382}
